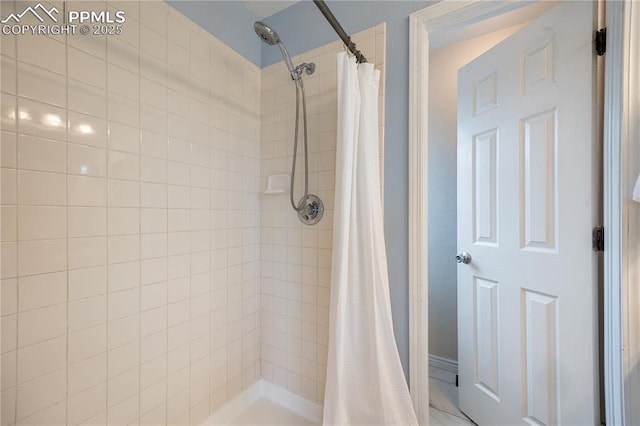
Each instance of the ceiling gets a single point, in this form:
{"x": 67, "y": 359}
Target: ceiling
{"x": 264, "y": 8}
{"x": 521, "y": 13}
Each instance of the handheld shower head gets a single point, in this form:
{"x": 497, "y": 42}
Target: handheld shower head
{"x": 269, "y": 36}
{"x": 310, "y": 207}
{"x": 266, "y": 34}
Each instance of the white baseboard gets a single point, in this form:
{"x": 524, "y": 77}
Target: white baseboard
{"x": 267, "y": 390}
{"x": 443, "y": 363}
{"x": 443, "y": 369}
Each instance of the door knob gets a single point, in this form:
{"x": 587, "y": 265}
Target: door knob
{"x": 463, "y": 257}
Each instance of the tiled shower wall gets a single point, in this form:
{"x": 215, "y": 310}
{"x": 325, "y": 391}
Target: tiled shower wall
{"x": 296, "y": 258}
{"x": 130, "y": 222}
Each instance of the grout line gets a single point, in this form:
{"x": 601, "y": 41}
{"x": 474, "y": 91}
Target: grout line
{"x": 190, "y": 234}
{"x": 139, "y": 78}
{"x": 17, "y": 236}
{"x": 66, "y": 208}
{"x": 107, "y": 242}
{"x": 166, "y": 367}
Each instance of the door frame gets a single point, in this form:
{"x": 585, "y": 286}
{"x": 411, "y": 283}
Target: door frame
{"x": 621, "y": 163}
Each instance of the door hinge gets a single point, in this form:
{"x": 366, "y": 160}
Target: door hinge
{"x": 600, "y": 41}
{"x": 456, "y": 380}
{"x": 597, "y": 236}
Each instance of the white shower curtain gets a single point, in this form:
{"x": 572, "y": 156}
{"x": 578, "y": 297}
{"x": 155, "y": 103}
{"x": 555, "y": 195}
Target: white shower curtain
{"x": 365, "y": 381}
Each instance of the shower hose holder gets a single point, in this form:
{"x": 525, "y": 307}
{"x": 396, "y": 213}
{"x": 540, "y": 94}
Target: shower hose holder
{"x": 307, "y": 67}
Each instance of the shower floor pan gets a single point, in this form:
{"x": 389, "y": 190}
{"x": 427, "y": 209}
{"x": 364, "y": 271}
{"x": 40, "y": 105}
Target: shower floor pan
{"x": 267, "y": 404}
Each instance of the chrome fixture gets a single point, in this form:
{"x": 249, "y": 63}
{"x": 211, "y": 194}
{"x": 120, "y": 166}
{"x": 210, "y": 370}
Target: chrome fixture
{"x": 463, "y": 257}
{"x": 310, "y": 208}
{"x": 269, "y": 36}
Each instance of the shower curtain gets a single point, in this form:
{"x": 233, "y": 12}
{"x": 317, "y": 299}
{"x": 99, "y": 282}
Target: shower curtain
{"x": 365, "y": 381}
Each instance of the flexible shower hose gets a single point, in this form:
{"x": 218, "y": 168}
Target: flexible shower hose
{"x": 302, "y": 205}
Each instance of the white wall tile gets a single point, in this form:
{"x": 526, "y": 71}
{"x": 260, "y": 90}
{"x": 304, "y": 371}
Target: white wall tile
{"x": 87, "y": 404}
{"x": 39, "y": 291}
{"x": 126, "y": 411}
{"x": 123, "y": 304}
{"x": 44, "y": 52}
{"x": 86, "y": 68}
{"x": 86, "y": 252}
{"x": 123, "y": 165}
{"x": 123, "y": 358}
{"x": 41, "y": 222}
{"x": 9, "y": 296}
{"x": 155, "y": 14}
{"x": 153, "y": 170}
{"x": 124, "y": 330}
{"x": 153, "y": 270}
{"x": 87, "y": 374}
{"x": 95, "y": 45}
{"x": 153, "y": 195}
{"x": 87, "y": 130}
{"x": 153, "y": 43}
{"x": 37, "y": 188}
{"x": 9, "y": 333}
{"x": 107, "y": 260}
{"x": 40, "y": 119}
{"x": 42, "y": 358}
{"x": 41, "y": 324}
{"x": 8, "y": 74}
{"x": 153, "y": 220}
{"x": 122, "y": 386}
{"x": 123, "y": 82}
{"x": 153, "y": 346}
{"x": 87, "y": 191}
{"x": 124, "y": 248}
{"x": 85, "y": 313}
{"x": 41, "y": 393}
{"x": 153, "y": 321}
{"x": 42, "y": 256}
{"x": 8, "y": 148}
{"x": 122, "y": 110}
{"x": 87, "y": 99}
{"x": 86, "y": 160}
{"x": 154, "y": 144}
{"x": 123, "y": 53}
{"x": 87, "y": 343}
{"x": 9, "y": 118}
{"x": 87, "y": 282}
{"x": 9, "y": 367}
{"x": 153, "y": 68}
{"x": 87, "y": 221}
{"x": 122, "y": 221}
{"x": 123, "y": 276}
{"x": 124, "y": 138}
{"x": 153, "y": 296}
{"x": 42, "y": 85}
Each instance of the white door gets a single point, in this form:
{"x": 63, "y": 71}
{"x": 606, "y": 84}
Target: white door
{"x": 527, "y": 301}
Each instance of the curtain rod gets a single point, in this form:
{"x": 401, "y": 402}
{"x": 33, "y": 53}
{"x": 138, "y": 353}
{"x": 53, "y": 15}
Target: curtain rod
{"x": 338, "y": 29}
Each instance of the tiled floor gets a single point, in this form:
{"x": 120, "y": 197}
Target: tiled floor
{"x": 440, "y": 418}
{"x": 443, "y": 400}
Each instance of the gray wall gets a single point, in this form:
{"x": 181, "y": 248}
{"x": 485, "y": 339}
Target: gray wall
{"x": 302, "y": 27}
{"x": 442, "y": 165}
